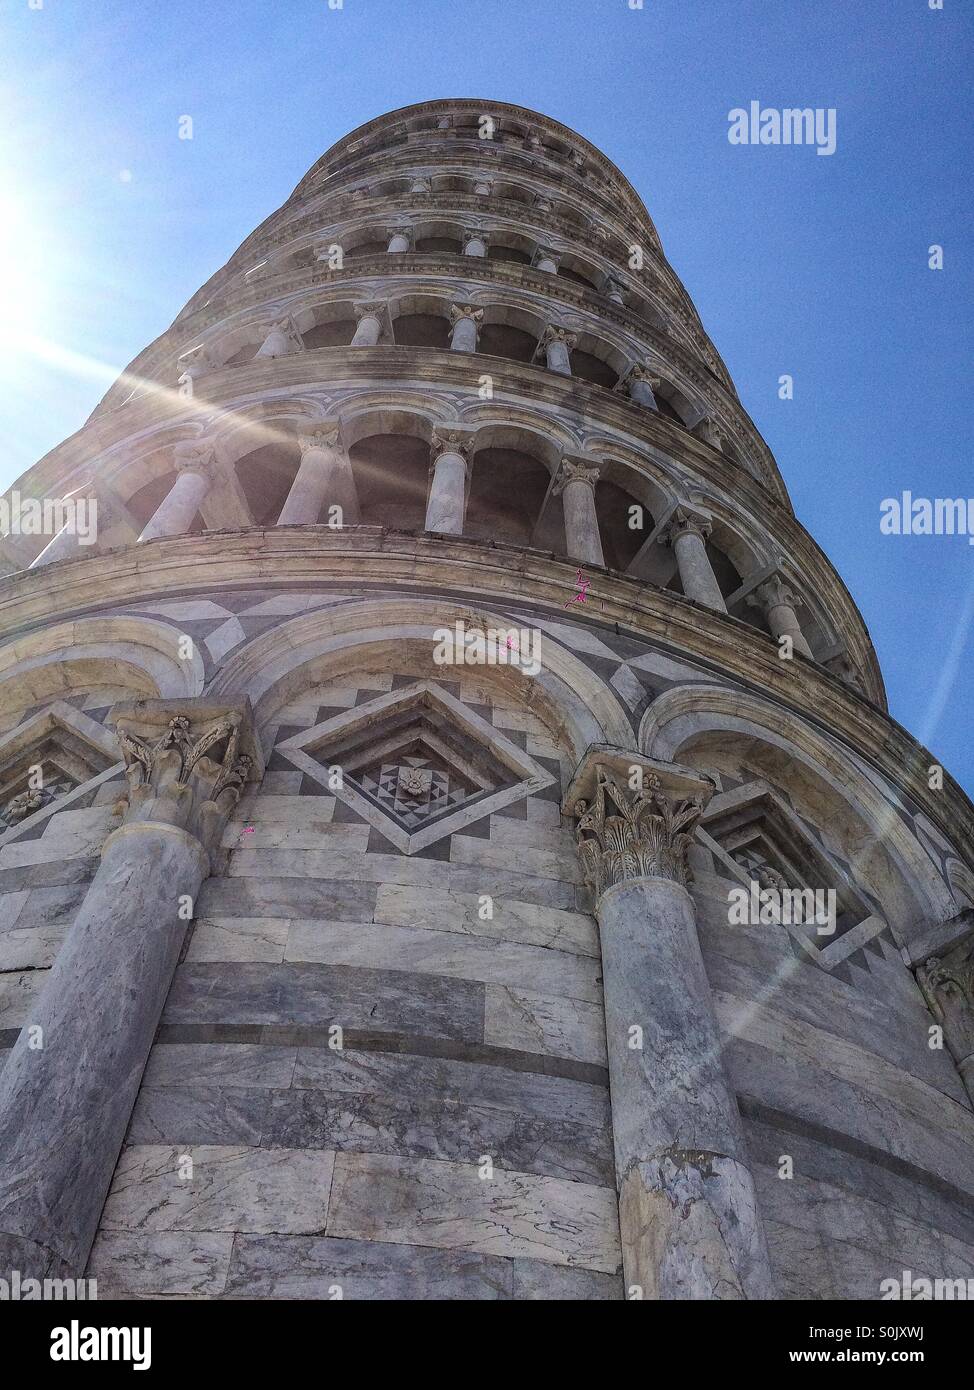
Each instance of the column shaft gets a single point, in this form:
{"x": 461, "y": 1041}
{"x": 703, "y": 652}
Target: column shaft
{"x": 696, "y": 572}
{"x": 175, "y": 513}
{"x": 783, "y": 622}
{"x": 368, "y": 332}
{"x": 444, "y": 511}
{"x": 582, "y": 524}
{"x": 323, "y": 477}
{"x": 65, "y": 1105}
{"x": 687, "y": 1209}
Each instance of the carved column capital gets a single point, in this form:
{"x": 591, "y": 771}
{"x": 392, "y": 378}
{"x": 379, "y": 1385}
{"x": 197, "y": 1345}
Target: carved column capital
{"x": 475, "y": 234}
{"x": 575, "y": 469}
{"x": 466, "y": 311}
{"x": 446, "y": 440}
{"x": 947, "y": 983}
{"x": 194, "y": 456}
{"x": 636, "y": 819}
{"x": 554, "y": 333}
{"x": 326, "y": 436}
{"x": 711, "y": 433}
{"x": 369, "y": 309}
{"x": 774, "y": 593}
{"x": 684, "y": 522}
{"x": 547, "y": 253}
{"x": 186, "y": 763}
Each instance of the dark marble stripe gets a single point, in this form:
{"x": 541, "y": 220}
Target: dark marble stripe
{"x": 355, "y": 1038}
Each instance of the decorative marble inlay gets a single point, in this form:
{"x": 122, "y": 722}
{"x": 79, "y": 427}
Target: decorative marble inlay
{"x": 416, "y": 764}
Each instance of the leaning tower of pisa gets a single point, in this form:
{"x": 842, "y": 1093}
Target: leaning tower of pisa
{"x": 452, "y": 840}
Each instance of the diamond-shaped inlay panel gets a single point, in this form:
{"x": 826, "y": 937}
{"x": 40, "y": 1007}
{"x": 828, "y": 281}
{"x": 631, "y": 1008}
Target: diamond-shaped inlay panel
{"x": 416, "y": 764}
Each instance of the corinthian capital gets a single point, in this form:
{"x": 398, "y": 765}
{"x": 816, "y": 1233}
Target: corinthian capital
{"x": 775, "y": 592}
{"x": 466, "y": 311}
{"x": 625, "y": 834}
{"x": 948, "y": 986}
{"x": 194, "y": 455}
{"x": 446, "y": 440}
{"x": 554, "y": 333}
{"x": 321, "y": 437}
{"x": 636, "y": 819}
{"x": 186, "y": 762}
{"x": 575, "y": 469}
{"x": 684, "y": 522}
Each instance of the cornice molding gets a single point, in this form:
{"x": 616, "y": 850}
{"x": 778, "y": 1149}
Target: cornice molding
{"x": 294, "y": 556}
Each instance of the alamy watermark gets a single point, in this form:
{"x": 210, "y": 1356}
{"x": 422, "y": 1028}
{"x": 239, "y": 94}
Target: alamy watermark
{"x": 473, "y": 646}
{"x": 17, "y": 1289}
{"x": 757, "y": 906}
{"x": 47, "y": 516}
{"x": 907, "y": 515}
{"x": 757, "y": 125}
{"x": 916, "y": 1288}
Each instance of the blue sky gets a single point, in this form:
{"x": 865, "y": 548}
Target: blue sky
{"x": 798, "y": 263}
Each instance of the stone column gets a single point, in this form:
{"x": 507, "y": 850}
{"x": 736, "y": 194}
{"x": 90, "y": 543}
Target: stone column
{"x": 399, "y": 240}
{"x": 614, "y": 290}
{"x": 483, "y": 186}
{"x": 541, "y": 203}
{"x": 281, "y": 341}
{"x": 194, "y": 475}
{"x": 778, "y": 601}
{"x": 192, "y": 366}
{"x": 447, "y": 499}
{"x": 547, "y": 260}
{"x": 687, "y": 1210}
{"x": 640, "y": 384}
{"x": 466, "y": 320}
{"x": 577, "y": 479}
{"x": 324, "y": 477}
{"x": 70, "y": 1081}
{"x": 475, "y": 243}
{"x": 556, "y": 344}
{"x": 947, "y": 983}
{"x": 371, "y": 317}
{"x": 67, "y": 542}
{"x": 687, "y": 533}
{"x": 420, "y": 185}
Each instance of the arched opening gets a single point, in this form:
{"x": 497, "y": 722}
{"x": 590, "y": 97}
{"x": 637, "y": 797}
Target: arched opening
{"x": 366, "y": 248}
{"x": 503, "y": 340}
{"x": 391, "y": 474}
{"x": 624, "y": 523}
{"x": 422, "y": 330}
{"x": 266, "y": 475}
{"x": 245, "y": 354}
{"x": 449, "y": 244}
{"x": 338, "y": 333}
{"x": 567, "y": 273}
{"x": 497, "y": 252}
{"x": 507, "y": 490}
{"x": 588, "y": 367}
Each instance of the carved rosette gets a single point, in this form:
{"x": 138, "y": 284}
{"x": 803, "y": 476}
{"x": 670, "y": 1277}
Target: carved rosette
{"x": 26, "y": 803}
{"x": 190, "y": 777}
{"x": 624, "y": 834}
{"x": 948, "y": 987}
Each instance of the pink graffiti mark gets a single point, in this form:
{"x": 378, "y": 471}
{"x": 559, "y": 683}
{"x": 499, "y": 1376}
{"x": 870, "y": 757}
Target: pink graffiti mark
{"x": 581, "y": 583}
{"x": 512, "y": 641}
